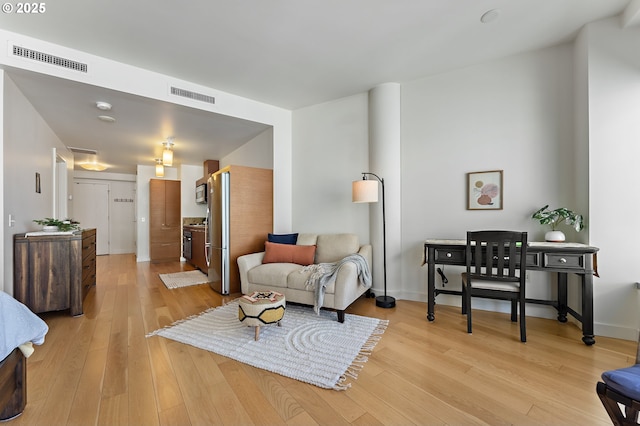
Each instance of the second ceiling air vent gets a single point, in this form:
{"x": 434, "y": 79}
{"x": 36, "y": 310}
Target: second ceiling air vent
{"x": 193, "y": 95}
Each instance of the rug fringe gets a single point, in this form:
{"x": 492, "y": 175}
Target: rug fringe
{"x": 363, "y": 356}
{"x": 180, "y": 321}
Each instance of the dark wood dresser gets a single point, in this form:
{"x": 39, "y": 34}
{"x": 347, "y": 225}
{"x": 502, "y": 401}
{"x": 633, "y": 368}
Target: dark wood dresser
{"x": 54, "y": 272}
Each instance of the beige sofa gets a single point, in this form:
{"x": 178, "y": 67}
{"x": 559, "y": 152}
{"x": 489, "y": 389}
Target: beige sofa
{"x": 291, "y": 278}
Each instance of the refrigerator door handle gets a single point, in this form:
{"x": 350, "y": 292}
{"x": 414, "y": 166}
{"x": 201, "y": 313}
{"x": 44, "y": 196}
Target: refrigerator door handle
{"x": 207, "y": 241}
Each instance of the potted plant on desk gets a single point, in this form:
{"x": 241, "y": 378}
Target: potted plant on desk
{"x": 554, "y": 218}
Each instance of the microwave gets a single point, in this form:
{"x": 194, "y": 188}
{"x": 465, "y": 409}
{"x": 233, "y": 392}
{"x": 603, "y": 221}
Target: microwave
{"x": 201, "y": 193}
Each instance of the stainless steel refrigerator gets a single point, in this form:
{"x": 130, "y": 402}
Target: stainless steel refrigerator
{"x": 217, "y": 234}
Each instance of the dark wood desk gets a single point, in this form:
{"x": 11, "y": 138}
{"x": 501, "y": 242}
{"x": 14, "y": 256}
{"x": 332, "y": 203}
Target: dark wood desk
{"x": 561, "y": 258}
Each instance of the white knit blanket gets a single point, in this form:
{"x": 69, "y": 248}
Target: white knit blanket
{"x": 323, "y": 274}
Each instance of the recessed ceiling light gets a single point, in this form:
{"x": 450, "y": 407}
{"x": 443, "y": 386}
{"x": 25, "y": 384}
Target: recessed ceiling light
{"x": 106, "y": 118}
{"x": 490, "y": 16}
{"x": 104, "y": 106}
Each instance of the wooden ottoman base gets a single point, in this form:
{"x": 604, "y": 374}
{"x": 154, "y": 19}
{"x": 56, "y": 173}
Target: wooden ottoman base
{"x": 260, "y": 308}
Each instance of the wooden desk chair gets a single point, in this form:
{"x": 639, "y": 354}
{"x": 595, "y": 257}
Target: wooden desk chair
{"x": 496, "y": 269}
{"x": 621, "y": 386}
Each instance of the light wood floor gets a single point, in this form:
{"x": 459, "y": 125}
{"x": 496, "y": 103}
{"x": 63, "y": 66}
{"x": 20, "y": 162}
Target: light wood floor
{"x": 100, "y": 368}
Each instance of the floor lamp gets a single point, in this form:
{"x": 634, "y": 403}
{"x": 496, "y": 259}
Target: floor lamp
{"x": 366, "y": 191}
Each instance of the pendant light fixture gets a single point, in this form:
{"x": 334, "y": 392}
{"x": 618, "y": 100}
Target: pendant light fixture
{"x": 159, "y": 168}
{"x": 167, "y": 153}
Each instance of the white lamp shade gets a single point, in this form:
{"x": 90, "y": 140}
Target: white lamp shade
{"x": 364, "y": 191}
{"x": 167, "y": 156}
{"x": 159, "y": 168}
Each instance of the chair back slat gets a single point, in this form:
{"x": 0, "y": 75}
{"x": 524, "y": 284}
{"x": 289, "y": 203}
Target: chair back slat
{"x": 496, "y": 255}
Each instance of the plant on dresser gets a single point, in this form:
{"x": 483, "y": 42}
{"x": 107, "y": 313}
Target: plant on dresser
{"x": 51, "y": 224}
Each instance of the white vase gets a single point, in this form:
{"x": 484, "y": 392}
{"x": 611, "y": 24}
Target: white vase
{"x": 554, "y": 236}
{"x": 50, "y": 228}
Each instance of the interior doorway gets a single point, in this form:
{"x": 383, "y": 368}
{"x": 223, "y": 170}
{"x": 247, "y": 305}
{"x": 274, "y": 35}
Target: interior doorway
{"x": 91, "y": 209}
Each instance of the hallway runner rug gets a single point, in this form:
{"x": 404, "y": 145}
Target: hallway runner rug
{"x": 312, "y": 348}
{"x": 183, "y": 279}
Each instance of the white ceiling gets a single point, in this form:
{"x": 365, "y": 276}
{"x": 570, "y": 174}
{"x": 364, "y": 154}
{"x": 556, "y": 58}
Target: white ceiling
{"x": 140, "y": 127}
{"x": 288, "y": 53}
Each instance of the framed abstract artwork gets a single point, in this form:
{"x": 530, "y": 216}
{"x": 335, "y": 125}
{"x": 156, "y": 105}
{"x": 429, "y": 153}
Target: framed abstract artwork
{"x": 484, "y": 190}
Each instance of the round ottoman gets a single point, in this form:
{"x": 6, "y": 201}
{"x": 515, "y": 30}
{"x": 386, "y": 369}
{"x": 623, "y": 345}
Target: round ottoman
{"x": 260, "y": 308}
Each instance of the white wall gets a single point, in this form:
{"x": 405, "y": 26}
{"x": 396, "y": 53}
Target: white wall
{"x": 258, "y": 152}
{"x": 28, "y": 149}
{"x": 614, "y": 148}
{"x": 331, "y": 150}
{"x": 514, "y": 115}
{"x": 188, "y": 175}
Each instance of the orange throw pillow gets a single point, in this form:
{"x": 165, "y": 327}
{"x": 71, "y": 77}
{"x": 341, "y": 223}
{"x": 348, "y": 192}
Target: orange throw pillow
{"x": 288, "y": 253}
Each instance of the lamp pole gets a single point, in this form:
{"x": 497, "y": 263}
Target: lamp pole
{"x": 383, "y": 301}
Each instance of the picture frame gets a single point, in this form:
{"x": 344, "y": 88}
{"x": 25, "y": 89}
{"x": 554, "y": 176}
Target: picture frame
{"x": 484, "y": 190}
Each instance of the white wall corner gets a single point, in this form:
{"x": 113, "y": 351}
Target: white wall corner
{"x": 631, "y": 15}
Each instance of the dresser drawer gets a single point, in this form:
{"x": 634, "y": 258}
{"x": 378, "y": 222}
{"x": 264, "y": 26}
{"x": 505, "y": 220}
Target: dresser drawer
{"x": 449, "y": 255}
{"x": 88, "y": 267}
{"x": 568, "y": 261}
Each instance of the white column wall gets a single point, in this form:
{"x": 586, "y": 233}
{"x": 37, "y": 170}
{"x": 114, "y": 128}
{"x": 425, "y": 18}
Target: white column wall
{"x": 384, "y": 161}
{"x": 614, "y": 131}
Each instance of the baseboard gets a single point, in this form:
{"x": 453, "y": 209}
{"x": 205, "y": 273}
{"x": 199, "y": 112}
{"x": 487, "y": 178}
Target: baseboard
{"x": 538, "y": 311}
{"x": 615, "y": 331}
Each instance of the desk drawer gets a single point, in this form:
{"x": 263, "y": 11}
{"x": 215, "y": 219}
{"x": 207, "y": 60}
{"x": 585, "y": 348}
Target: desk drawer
{"x": 448, "y": 255}
{"x": 567, "y": 261}
{"x": 533, "y": 260}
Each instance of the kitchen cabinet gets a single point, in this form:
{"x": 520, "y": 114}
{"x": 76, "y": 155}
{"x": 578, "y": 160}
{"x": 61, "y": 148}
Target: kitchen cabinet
{"x": 54, "y": 272}
{"x": 197, "y": 247}
{"x": 165, "y": 223}
{"x": 209, "y": 166}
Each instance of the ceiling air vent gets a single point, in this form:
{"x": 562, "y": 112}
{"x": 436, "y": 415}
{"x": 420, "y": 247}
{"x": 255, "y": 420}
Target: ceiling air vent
{"x": 49, "y": 59}
{"x": 82, "y": 150}
{"x": 193, "y": 95}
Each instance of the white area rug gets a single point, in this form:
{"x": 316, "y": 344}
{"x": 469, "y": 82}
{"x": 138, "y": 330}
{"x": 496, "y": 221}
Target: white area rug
{"x": 184, "y": 279}
{"x": 312, "y": 348}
